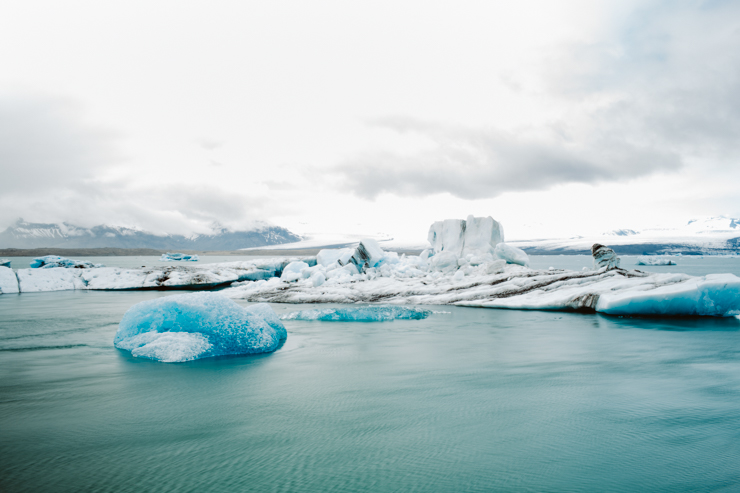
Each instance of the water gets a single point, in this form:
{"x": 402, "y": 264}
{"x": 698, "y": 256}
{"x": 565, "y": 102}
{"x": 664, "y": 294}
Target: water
{"x": 469, "y": 400}
{"x": 135, "y": 262}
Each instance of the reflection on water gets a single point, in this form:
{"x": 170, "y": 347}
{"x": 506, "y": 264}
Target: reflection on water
{"x": 470, "y": 400}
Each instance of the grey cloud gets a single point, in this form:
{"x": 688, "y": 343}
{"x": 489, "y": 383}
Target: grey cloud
{"x": 45, "y": 143}
{"x": 474, "y": 163}
{"x": 658, "y": 97}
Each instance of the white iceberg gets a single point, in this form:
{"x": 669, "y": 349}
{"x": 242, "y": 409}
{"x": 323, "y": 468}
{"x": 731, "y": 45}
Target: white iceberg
{"x": 190, "y": 326}
{"x": 177, "y": 257}
{"x": 645, "y": 260}
{"x": 512, "y": 255}
{"x": 52, "y": 261}
{"x": 359, "y": 314}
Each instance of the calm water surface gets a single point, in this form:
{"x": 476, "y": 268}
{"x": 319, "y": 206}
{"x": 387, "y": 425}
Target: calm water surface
{"x": 468, "y": 400}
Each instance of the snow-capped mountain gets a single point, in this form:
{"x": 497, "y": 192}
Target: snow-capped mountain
{"x": 38, "y": 235}
{"x": 710, "y": 235}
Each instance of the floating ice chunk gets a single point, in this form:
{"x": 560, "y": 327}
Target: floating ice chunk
{"x": 52, "y": 261}
{"x": 448, "y": 236}
{"x": 4, "y": 262}
{"x": 604, "y": 257}
{"x": 330, "y": 257}
{"x": 512, "y": 255}
{"x": 56, "y": 279}
{"x": 361, "y": 314}
{"x": 715, "y": 295}
{"x": 177, "y": 257}
{"x": 293, "y": 271}
{"x": 444, "y": 262}
{"x": 654, "y": 261}
{"x": 8, "y": 281}
{"x": 459, "y": 275}
{"x": 482, "y": 234}
{"x": 317, "y": 279}
{"x": 476, "y": 235}
{"x": 367, "y": 254}
{"x": 197, "y": 325}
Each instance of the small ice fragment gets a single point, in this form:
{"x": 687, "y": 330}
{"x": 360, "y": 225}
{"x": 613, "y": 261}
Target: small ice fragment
{"x": 360, "y": 314}
{"x": 512, "y": 255}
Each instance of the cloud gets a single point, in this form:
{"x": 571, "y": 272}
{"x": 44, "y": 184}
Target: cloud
{"x": 657, "y": 96}
{"x": 45, "y": 143}
{"x": 482, "y": 163}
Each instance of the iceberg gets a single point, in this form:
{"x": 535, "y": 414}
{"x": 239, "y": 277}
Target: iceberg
{"x": 654, "y": 261}
{"x": 360, "y": 314}
{"x": 604, "y": 257}
{"x": 52, "y": 261}
{"x": 190, "y": 326}
{"x": 8, "y": 281}
{"x": 512, "y": 255}
{"x": 177, "y": 257}
{"x": 475, "y": 235}
{"x": 4, "y": 262}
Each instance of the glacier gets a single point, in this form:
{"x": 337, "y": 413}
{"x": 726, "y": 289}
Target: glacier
{"x": 52, "y": 261}
{"x": 359, "y": 314}
{"x": 176, "y": 257}
{"x": 190, "y": 326}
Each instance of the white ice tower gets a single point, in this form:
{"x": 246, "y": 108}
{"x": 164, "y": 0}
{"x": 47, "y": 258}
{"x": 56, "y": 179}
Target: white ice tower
{"x": 473, "y": 236}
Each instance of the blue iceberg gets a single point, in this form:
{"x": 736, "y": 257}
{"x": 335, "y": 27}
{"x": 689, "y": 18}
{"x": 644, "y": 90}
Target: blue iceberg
{"x": 177, "y": 257}
{"x": 190, "y": 326}
{"x": 4, "y": 262}
{"x": 360, "y": 314}
{"x": 51, "y": 261}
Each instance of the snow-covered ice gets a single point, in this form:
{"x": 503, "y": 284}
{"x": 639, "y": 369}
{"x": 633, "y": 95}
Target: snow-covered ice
{"x": 359, "y": 314}
{"x": 52, "y": 261}
{"x": 177, "y": 257}
{"x": 645, "y": 260}
{"x": 8, "y": 281}
{"x": 185, "y": 327}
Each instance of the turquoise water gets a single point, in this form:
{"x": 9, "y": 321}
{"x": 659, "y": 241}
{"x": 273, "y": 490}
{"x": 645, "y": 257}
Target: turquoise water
{"x": 465, "y": 400}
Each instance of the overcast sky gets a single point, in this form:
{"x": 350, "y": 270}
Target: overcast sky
{"x": 556, "y": 118}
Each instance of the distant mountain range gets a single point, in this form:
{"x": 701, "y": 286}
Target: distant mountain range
{"x": 711, "y": 236}
{"x": 38, "y": 235}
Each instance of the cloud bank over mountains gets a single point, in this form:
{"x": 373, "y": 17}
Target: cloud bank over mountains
{"x": 478, "y": 108}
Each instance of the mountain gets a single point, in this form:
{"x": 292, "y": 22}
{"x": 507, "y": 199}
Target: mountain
{"x": 718, "y": 235}
{"x": 37, "y": 235}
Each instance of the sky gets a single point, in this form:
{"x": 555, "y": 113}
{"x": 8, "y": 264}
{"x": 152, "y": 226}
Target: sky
{"x": 555, "y": 118}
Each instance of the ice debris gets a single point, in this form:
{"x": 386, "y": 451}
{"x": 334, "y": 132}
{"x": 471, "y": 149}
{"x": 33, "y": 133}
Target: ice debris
{"x": 654, "y": 261}
{"x": 4, "y": 262}
{"x": 512, "y": 255}
{"x": 604, "y": 257}
{"x": 52, "y": 261}
{"x": 190, "y": 326}
{"x": 360, "y": 314}
{"x": 177, "y": 257}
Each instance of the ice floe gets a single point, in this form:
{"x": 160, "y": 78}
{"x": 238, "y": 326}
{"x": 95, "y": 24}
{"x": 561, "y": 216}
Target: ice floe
{"x": 177, "y": 257}
{"x": 359, "y": 314}
{"x": 52, "y": 261}
{"x": 190, "y": 326}
{"x": 645, "y": 260}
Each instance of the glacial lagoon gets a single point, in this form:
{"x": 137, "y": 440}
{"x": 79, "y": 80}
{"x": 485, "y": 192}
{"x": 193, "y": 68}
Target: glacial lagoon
{"x": 466, "y": 399}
